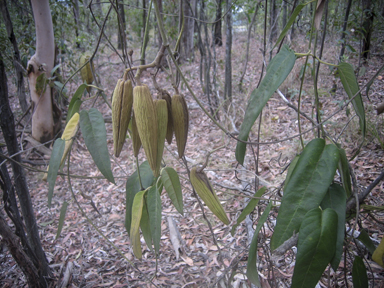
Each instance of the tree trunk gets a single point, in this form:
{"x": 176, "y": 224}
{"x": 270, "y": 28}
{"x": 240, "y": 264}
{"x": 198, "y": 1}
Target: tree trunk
{"x": 218, "y": 35}
{"x": 7, "y": 125}
{"x": 344, "y": 29}
{"x": 76, "y": 13}
{"x": 367, "y": 28}
{"x": 228, "y": 57}
{"x": 284, "y": 22}
{"x": 42, "y": 62}
{"x": 16, "y": 57}
{"x": 189, "y": 29}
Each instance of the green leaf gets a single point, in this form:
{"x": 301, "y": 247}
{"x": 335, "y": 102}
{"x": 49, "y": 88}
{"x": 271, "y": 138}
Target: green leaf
{"x": 41, "y": 84}
{"x": 291, "y": 168}
{"x": 359, "y": 273}
{"x": 277, "y": 70}
{"x": 171, "y": 182}
{"x": 290, "y": 21}
{"x": 252, "y": 273}
{"x": 75, "y": 103}
{"x": 306, "y": 189}
{"x": 349, "y": 81}
{"x": 315, "y": 247}
{"x": 336, "y": 199}
{"x": 95, "y": 136}
{"x": 133, "y": 186}
{"x": 137, "y": 209}
{"x": 53, "y": 168}
{"x": 249, "y": 208}
{"x": 345, "y": 175}
{"x": 154, "y": 211}
{"x": 367, "y": 242}
{"x": 145, "y": 226}
{"x": 378, "y": 254}
{"x": 63, "y": 211}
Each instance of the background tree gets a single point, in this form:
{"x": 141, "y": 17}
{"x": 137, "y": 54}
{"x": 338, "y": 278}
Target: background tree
{"x": 218, "y": 20}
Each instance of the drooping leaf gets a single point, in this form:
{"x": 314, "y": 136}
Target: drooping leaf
{"x": 351, "y": 87}
{"x": 319, "y": 13}
{"x": 137, "y": 209}
{"x": 336, "y": 199}
{"x": 63, "y": 211}
{"x": 145, "y": 225}
{"x": 277, "y": 70}
{"x": 154, "y": 211}
{"x": 68, "y": 134}
{"x": 75, "y": 103}
{"x": 54, "y": 165}
{"x": 366, "y": 240}
{"x": 171, "y": 182}
{"x": 315, "y": 247}
{"x": 249, "y": 208}
{"x": 378, "y": 254}
{"x": 95, "y": 136}
{"x": 359, "y": 273}
{"x": 252, "y": 273}
{"x": 344, "y": 172}
{"x": 290, "y": 21}
{"x": 306, "y": 188}
{"x": 133, "y": 186}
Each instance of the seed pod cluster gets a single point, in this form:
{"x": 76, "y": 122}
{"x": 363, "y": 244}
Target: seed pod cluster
{"x": 180, "y": 119}
{"x": 122, "y": 102}
{"x": 86, "y": 71}
{"x": 205, "y": 190}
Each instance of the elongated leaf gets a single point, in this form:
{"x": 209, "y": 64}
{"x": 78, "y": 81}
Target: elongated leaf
{"x": 154, "y": 211}
{"x": 344, "y": 172}
{"x": 359, "y": 273}
{"x": 252, "y": 273}
{"x": 291, "y": 168}
{"x": 315, "y": 247}
{"x": 306, "y": 189}
{"x": 137, "y": 209}
{"x": 145, "y": 226}
{"x": 290, "y": 21}
{"x": 95, "y": 136}
{"x": 367, "y": 242}
{"x": 249, "y": 208}
{"x": 68, "y": 134}
{"x": 171, "y": 182}
{"x": 63, "y": 211}
{"x": 277, "y": 70}
{"x": 349, "y": 81}
{"x": 133, "y": 186}
{"x": 54, "y": 165}
{"x": 378, "y": 254}
{"x": 75, "y": 103}
{"x": 336, "y": 199}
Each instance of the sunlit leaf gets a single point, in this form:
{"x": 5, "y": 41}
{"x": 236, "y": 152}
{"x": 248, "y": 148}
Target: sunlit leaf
{"x": 95, "y": 136}
{"x": 137, "y": 209}
{"x": 379, "y": 253}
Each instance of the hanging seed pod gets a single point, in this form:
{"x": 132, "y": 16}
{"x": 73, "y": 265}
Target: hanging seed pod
{"x": 162, "y": 120}
{"x": 86, "y": 71}
{"x": 205, "y": 190}
{"x": 180, "y": 120}
{"x": 122, "y": 102}
{"x": 136, "y": 142}
{"x": 146, "y": 121}
{"x": 167, "y": 97}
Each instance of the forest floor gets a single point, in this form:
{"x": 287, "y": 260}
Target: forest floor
{"x": 199, "y": 262}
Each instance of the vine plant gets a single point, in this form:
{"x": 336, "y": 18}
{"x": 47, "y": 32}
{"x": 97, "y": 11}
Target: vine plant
{"x": 317, "y": 190}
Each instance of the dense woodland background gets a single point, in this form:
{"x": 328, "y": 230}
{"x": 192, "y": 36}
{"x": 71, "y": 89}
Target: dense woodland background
{"x": 222, "y": 51}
